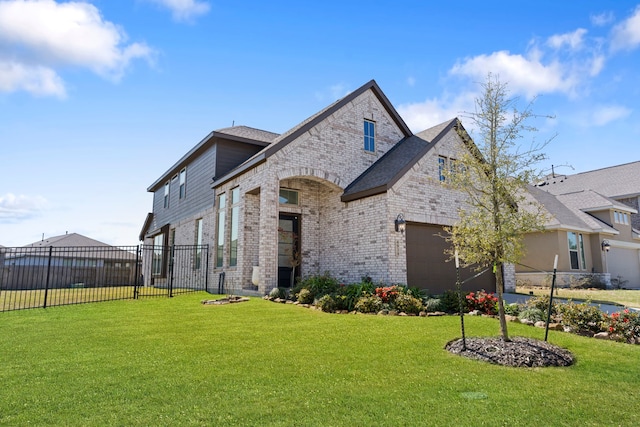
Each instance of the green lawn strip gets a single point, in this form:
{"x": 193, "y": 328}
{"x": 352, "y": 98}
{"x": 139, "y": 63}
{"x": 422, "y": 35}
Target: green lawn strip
{"x": 177, "y": 362}
{"x": 621, "y": 297}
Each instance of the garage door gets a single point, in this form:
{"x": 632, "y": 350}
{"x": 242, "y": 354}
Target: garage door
{"x": 625, "y": 263}
{"x": 427, "y": 267}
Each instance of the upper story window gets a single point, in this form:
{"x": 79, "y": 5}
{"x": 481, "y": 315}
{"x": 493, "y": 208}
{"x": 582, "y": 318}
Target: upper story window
{"x": 621, "y": 217}
{"x": 166, "y": 195}
{"x": 183, "y": 183}
{"x": 233, "y": 227}
{"x": 442, "y": 167}
{"x": 288, "y": 197}
{"x": 369, "y": 136}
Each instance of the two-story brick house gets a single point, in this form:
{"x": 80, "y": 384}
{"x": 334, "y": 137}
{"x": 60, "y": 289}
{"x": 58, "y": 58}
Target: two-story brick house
{"x": 327, "y": 196}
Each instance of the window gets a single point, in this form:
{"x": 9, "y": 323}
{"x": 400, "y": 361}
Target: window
{"x": 369, "y": 136}
{"x": 198, "y": 251}
{"x": 222, "y": 205}
{"x": 166, "y": 195}
{"x": 158, "y": 255}
{"x": 574, "y": 257}
{"x": 288, "y": 197}
{"x": 621, "y": 217}
{"x": 183, "y": 183}
{"x": 582, "y": 257}
{"x": 233, "y": 237}
{"x": 442, "y": 167}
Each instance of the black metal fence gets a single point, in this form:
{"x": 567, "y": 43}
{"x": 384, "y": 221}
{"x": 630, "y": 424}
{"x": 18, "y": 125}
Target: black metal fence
{"x": 32, "y": 277}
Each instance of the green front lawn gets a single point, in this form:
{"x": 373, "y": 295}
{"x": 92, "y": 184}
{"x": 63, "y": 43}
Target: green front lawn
{"x": 177, "y": 362}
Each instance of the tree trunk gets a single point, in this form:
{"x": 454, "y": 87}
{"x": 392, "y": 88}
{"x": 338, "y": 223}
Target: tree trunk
{"x": 501, "y": 314}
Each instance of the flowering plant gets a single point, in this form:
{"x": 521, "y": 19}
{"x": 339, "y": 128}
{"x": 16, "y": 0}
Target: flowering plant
{"x": 624, "y": 324}
{"x": 482, "y": 301}
{"x": 388, "y": 294}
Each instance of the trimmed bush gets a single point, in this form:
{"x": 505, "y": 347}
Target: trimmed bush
{"x": 369, "y": 304}
{"x": 408, "y": 304}
{"x": 320, "y": 285}
{"x": 582, "y": 318}
{"x": 624, "y": 325}
{"x": 278, "y": 293}
{"x": 482, "y": 301}
{"x": 326, "y": 303}
{"x": 512, "y": 309}
{"x": 450, "y": 302}
{"x": 305, "y": 296}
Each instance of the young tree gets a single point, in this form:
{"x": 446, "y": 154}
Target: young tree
{"x": 494, "y": 173}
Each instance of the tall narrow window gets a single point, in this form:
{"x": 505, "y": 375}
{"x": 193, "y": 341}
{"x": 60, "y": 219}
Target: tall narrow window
{"x": 158, "y": 255}
{"x": 442, "y": 167}
{"x": 166, "y": 195}
{"x": 369, "y": 136}
{"x": 183, "y": 183}
{"x": 198, "y": 250}
{"x": 582, "y": 257}
{"x": 222, "y": 206}
{"x": 572, "y": 240}
{"x": 233, "y": 235}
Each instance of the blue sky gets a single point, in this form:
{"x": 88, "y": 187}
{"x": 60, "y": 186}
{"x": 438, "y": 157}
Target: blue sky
{"x": 99, "y": 98}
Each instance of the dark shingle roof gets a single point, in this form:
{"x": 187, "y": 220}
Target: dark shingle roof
{"x": 615, "y": 181}
{"x": 249, "y": 133}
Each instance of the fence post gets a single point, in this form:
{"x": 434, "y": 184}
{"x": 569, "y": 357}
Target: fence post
{"x": 136, "y": 277}
{"x": 46, "y": 284}
{"x": 206, "y": 270}
{"x": 171, "y": 255}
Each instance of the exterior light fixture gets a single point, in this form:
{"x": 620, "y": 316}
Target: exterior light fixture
{"x": 606, "y": 245}
{"x": 400, "y": 223}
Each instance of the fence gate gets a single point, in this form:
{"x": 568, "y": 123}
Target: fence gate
{"x": 171, "y": 270}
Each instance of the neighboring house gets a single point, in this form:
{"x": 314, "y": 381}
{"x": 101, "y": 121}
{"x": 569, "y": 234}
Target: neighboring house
{"x": 69, "y": 259}
{"x": 593, "y": 228}
{"x": 323, "y": 197}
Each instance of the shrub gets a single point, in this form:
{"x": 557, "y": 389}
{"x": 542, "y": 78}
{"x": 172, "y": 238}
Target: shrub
{"x": 450, "y": 301}
{"x": 532, "y": 314}
{"x": 416, "y": 292}
{"x": 581, "y": 318}
{"x": 625, "y": 325}
{"x": 342, "y": 302}
{"x": 432, "y": 304}
{"x": 320, "y": 285}
{"x": 512, "y": 309}
{"x": 355, "y": 291}
{"x": 326, "y": 303}
{"x": 408, "y": 304}
{"x": 305, "y": 296}
{"x": 369, "y": 304}
{"x": 278, "y": 293}
{"x": 388, "y": 294}
{"x": 482, "y": 301}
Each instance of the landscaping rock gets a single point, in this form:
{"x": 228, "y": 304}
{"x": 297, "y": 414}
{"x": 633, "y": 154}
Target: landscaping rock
{"x": 602, "y": 335}
{"x": 423, "y": 314}
{"x": 540, "y": 324}
{"x": 436, "y": 313}
{"x": 510, "y": 318}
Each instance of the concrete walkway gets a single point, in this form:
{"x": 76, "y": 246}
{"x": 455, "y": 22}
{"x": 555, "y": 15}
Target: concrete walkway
{"x": 521, "y": 299}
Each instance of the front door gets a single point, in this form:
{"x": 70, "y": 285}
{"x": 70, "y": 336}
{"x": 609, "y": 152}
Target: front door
{"x": 288, "y": 250}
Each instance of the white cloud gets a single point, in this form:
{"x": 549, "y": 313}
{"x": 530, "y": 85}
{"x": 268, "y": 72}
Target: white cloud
{"x": 14, "y": 208}
{"x": 602, "y": 19}
{"x": 423, "y": 115}
{"x": 44, "y": 35}
{"x": 600, "y": 115}
{"x": 184, "y": 10}
{"x": 333, "y": 93}
{"x": 572, "y": 40}
{"x": 411, "y": 81}
{"x": 37, "y": 80}
{"x": 526, "y": 75}
{"x": 626, "y": 35}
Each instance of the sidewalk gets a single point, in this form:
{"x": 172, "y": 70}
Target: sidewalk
{"x": 521, "y": 299}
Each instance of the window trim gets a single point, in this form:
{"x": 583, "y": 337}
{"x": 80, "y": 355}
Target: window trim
{"x": 291, "y": 190}
{"x": 220, "y": 229}
{"x": 234, "y": 221}
{"x": 183, "y": 184}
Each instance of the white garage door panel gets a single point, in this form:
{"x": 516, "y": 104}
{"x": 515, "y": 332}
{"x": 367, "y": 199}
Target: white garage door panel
{"x": 625, "y": 263}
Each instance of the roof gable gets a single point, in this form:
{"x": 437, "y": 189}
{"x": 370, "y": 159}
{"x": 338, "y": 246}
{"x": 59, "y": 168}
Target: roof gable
{"x": 66, "y": 241}
{"x": 395, "y": 163}
{"x": 312, "y": 121}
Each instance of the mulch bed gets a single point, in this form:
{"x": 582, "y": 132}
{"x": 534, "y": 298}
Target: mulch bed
{"x": 519, "y": 352}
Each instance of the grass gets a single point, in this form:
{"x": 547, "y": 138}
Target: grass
{"x": 177, "y": 362}
{"x": 624, "y": 297}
